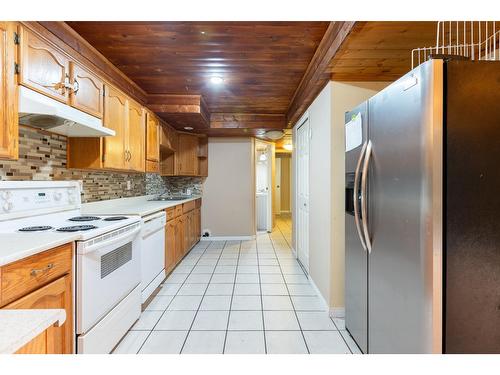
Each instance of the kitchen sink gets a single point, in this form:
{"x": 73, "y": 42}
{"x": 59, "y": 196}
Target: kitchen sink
{"x": 172, "y": 198}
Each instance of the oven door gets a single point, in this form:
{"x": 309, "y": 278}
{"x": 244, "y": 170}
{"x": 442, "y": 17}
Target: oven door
{"x": 108, "y": 269}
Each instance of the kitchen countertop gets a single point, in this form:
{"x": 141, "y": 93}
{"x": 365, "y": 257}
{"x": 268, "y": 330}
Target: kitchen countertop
{"x": 18, "y": 327}
{"x": 131, "y": 206}
{"x": 16, "y": 246}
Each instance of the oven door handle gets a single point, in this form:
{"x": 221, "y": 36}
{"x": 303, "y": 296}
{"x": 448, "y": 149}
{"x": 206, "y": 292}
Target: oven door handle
{"x": 117, "y": 239}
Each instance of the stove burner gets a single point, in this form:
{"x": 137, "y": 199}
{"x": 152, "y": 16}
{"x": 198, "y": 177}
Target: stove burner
{"x": 84, "y": 218}
{"x": 115, "y": 218}
{"x": 76, "y": 228}
{"x": 35, "y": 228}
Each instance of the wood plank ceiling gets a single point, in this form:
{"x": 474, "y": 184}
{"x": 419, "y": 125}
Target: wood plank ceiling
{"x": 380, "y": 51}
{"x": 271, "y": 70}
{"x": 261, "y": 63}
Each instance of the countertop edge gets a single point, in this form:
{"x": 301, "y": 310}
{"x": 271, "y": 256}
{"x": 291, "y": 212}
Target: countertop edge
{"x": 11, "y": 258}
{"x": 53, "y": 316}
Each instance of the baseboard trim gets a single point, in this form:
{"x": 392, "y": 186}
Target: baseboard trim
{"x": 323, "y": 301}
{"x": 337, "y": 312}
{"x": 228, "y": 238}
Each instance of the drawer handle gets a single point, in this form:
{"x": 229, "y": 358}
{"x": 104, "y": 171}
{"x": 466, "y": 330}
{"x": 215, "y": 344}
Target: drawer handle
{"x": 48, "y": 267}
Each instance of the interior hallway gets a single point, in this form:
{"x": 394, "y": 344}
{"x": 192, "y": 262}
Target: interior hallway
{"x": 238, "y": 297}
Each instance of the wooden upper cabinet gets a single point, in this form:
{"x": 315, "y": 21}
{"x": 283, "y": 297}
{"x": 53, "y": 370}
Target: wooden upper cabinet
{"x": 42, "y": 67}
{"x": 187, "y": 158}
{"x": 9, "y": 134}
{"x": 135, "y": 137}
{"x": 152, "y": 138}
{"x": 87, "y": 92}
{"x": 115, "y": 113}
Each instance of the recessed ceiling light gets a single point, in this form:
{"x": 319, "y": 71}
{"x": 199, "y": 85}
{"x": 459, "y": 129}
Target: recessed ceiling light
{"x": 216, "y": 80}
{"x": 188, "y": 128}
{"x": 202, "y": 32}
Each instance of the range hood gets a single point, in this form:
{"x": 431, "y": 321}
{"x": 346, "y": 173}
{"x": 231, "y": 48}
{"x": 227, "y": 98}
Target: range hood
{"x": 42, "y": 112}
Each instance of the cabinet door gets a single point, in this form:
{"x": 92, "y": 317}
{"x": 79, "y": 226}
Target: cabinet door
{"x": 8, "y": 93}
{"x": 170, "y": 242}
{"x": 115, "y": 117}
{"x": 179, "y": 238}
{"x": 56, "y": 295}
{"x": 187, "y": 155}
{"x": 43, "y": 67}
{"x": 87, "y": 94}
{"x": 197, "y": 225}
{"x": 135, "y": 137}
{"x": 188, "y": 232}
{"x": 152, "y": 138}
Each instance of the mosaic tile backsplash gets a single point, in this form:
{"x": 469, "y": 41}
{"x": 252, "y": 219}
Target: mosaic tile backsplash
{"x": 42, "y": 156}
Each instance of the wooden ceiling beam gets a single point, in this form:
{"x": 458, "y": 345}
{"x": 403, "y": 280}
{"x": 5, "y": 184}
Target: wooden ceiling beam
{"x": 317, "y": 75}
{"x": 180, "y": 110}
{"x": 247, "y": 120}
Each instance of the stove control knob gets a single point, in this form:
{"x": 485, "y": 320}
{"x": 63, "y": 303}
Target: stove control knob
{"x": 57, "y": 196}
{"x": 71, "y": 198}
{"x": 6, "y": 195}
{"x": 7, "y": 206}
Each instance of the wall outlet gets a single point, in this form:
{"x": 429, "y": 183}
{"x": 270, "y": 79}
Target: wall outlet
{"x": 129, "y": 184}
{"x": 188, "y": 191}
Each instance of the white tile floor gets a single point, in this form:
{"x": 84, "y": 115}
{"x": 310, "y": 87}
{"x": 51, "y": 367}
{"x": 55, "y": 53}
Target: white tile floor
{"x": 238, "y": 297}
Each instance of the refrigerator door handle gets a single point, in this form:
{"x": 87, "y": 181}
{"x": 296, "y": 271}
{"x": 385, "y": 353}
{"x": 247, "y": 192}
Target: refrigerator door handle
{"x": 356, "y": 194}
{"x": 364, "y": 183}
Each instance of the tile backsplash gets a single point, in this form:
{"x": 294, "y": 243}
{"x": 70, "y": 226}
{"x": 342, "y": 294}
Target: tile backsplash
{"x": 42, "y": 156}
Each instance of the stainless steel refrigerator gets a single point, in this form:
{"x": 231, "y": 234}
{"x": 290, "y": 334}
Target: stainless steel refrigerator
{"x": 422, "y": 205}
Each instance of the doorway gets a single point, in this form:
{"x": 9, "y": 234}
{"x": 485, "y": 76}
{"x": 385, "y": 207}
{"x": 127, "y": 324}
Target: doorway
{"x": 264, "y": 176}
{"x": 302, "y": 197}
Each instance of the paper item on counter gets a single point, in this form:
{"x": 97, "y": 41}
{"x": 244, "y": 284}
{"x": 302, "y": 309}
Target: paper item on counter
{"x": 354, "y": 132}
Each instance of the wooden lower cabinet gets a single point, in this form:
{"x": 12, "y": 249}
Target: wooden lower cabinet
{"x": 170, "y": 243}
{"x": 179, "y": 238}
{"x": 54, "y": 340}
{"x": 182, "y": 233}
{"x": 42, "y": 281}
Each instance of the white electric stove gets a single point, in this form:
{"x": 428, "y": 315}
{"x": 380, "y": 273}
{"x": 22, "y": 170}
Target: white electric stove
{"x": 107, "y": 261}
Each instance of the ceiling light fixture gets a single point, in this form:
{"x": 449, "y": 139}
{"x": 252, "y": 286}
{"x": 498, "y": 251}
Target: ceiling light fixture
{"x": 188, "y": 128}
{"x": 202, "y": 32}
{"x": 216, "y": 80}
{"x": 263, "y": 156}
{"x": 288, "y": 146}
{"x": 275, "y": 134}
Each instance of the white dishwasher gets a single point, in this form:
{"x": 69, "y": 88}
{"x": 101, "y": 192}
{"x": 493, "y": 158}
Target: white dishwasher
{"x": 152, "y": 253}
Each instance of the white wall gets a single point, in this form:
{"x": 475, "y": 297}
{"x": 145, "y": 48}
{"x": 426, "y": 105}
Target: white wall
{"x": 326, "y": 185}
{"x": 228, "y": 208}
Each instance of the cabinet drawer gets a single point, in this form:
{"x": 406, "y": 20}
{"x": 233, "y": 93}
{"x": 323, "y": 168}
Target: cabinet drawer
{"x": 170, "y": 212}
{"x": 23, "y": 276}
{"x": 178, "y": 210}
{"x": 189, "y": 206}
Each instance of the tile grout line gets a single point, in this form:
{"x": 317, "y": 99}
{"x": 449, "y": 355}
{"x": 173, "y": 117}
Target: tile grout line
{"x": 261, "y": 299}
{"x": 203, "y": 296}
{"x": 175, "y": 295}
{"x": 231, "y": 302}
{"x": 291, "y": 300}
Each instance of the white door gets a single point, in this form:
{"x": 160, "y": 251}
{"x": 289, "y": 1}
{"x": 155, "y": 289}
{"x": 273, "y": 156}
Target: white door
{"x": 303, "y": 193}
{"x": 278, "y": 185}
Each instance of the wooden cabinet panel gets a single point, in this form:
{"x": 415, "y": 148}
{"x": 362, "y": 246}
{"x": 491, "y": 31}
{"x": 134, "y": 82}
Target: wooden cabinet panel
{"x": 135, "y": 137}
{"x": 152, "y": 138}
{"x": 187, "y": 232}
{"x": 170, "y": 242}
{"x": 25, "y": 275}
{"x": 187, "y": 155}
{"x": 42, "y": 67}
{"x": 114, "y": 118}
{"x": 188, "y": 206}
{"x": 9, "y": 134}
{"x": 56, "y": 295}
{"x": 88, "y": 91}
{"x": 179, "y": 238}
